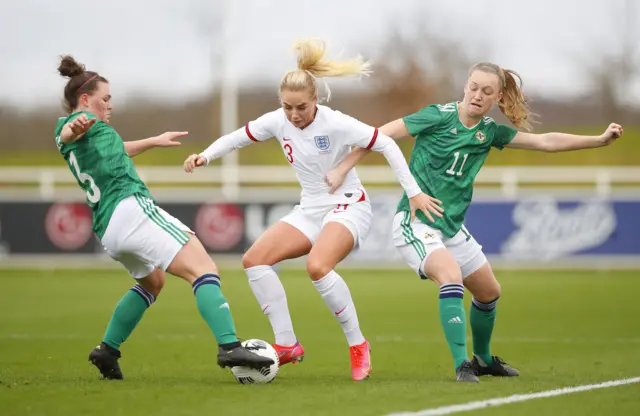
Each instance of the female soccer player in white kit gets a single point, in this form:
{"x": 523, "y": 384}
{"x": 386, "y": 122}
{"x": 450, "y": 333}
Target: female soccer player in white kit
{"x": 315, "y": 139}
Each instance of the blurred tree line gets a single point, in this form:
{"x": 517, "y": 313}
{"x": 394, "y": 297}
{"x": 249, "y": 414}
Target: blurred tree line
{"x": 416, "y": 71}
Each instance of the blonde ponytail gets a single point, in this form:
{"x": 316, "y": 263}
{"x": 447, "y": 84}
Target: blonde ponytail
{"x": 513, "y": 103}
{"x": 313, "y": 65}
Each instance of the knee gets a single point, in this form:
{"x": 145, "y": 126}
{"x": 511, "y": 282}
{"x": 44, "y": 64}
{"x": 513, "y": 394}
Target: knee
{"x": 495, "y": 291}
{"x": 156, "y": 288}
{"x": 489, "y": 292}
{"x": 447, "y": 275}
{"x": 155, "y": 284}
{"x": 192, "y": 261}
{"x": 318, "y": 268}
{"x": 442, "y": 268}
{"x": 248, "y": 260}
{"x": 253, "y": 258}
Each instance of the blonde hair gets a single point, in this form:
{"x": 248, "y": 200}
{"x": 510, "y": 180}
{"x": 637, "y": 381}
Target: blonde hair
{"x": 513, "y": 103}
{"x": 312, "y": 65}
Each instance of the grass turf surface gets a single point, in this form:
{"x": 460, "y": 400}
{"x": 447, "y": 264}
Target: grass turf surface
{"x": 558, "y": 328}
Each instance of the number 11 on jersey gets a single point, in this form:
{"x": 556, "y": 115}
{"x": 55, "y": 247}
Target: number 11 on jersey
{"x": 452, "y": 170}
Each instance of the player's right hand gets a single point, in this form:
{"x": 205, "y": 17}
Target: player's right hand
{"x": 77, "y": 128}
{"x": 334, "y": 179}
{"x": 427, "y": 205}
{"x": 613, "y": 132}
{"x": 194, "y": 161}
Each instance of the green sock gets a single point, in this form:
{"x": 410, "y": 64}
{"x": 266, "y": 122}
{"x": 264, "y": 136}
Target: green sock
{"x": 482, "y": 317}
{"x": 214, "y": 308}
{"x": 453, "y": 321}
{"x": 126, "y": 316}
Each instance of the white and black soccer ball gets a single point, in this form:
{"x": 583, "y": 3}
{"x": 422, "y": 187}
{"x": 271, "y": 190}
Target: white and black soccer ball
{"x": 247, "y": 375}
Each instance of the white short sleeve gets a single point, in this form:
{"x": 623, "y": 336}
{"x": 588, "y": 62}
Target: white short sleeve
{"x": 355, "y": 132}
{"x": 265, "y": 126}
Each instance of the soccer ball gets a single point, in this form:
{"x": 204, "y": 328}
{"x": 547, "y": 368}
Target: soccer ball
{"x": 247, "y": 375}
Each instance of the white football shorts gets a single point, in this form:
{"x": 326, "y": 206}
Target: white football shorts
{"x": 355, "y": 214}
{"x": 416, "y": 241}
{"x": 142, "y": 236}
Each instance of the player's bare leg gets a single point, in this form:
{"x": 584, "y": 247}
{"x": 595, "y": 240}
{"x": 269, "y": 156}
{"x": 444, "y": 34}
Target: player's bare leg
{"x": 486, "y": 291}
{"x": 280, "y": 242}
{"x": 441, "y": 267}
{"x": 332, "y": 246}
{"x": 193, "y": 264}
{"x": 125, "y": 318}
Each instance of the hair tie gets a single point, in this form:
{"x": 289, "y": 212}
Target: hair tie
{"x": 324, "y": 82}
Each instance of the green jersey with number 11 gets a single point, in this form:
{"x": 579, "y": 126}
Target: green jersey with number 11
{"x": 102, "y": 168}
{"x": 446, "y": 158}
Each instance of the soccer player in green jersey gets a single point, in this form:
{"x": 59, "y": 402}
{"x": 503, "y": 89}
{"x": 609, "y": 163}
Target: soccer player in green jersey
{"x": 451, "y": 144}
{"x": 144, "y": 238}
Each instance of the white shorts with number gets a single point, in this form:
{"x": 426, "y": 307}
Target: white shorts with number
{"x": 356, "y": 216}
{"x": 142, "y": 236}
{"x": 416, "y": 241}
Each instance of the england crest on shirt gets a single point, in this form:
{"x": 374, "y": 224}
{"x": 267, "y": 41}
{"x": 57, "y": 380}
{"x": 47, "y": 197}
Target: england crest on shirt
{"x": 323, "y": 143}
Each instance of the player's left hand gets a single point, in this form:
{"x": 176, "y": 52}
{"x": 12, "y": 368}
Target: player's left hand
{"x": 613, "y": 132}
{"x": 335, "y": 178}
{"x": 169, "y": 138}
{"x": 426, "y": 204}
{"x": 194, "y": 161}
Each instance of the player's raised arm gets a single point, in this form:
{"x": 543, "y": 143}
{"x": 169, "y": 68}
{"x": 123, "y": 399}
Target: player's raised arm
{"x": 424, "y": 120}
{"x": 385, "y": 145}
{"x": 75, "y": 129}
{"x": 256, "y": 131}
{"x": 395, "y": 129}
{"x": 166, "y": 139}
{"x": 513, "y": 105}
{"x": 81, "y": 125}
{"x": 563, "y": 142}
{"x": 372, "y": 139}
{"x": 417, "y": 199}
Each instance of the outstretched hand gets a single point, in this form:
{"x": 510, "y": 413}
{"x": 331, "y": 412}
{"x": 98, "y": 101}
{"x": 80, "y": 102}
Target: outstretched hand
{"x": 612, "y": 133}
{"x": 194, "y": 161}
{"x": 168, "y": 139}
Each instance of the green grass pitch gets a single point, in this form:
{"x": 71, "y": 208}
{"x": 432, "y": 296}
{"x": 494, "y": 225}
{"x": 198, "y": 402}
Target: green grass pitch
{"x": 558, "y": 328}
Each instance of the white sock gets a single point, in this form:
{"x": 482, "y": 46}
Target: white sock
{"x": 336, "y": 295}
{"x": 269, "y": 292}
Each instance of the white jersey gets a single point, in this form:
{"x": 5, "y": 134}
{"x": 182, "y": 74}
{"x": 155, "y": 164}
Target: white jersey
{"x": 316, "y": 149}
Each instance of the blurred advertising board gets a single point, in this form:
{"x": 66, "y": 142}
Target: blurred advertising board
{"x": 540, "y": 228}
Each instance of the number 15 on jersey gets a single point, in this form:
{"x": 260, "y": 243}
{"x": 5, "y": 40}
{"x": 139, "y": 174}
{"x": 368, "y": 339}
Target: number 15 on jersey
{"x": 86, "y": 181}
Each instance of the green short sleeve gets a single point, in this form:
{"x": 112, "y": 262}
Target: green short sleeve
{"x": 423, "y": 121}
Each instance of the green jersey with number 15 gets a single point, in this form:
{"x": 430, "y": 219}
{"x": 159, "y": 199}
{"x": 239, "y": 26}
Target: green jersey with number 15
{"x": 102, "y": 167}
{"x": 446, "y": 158}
